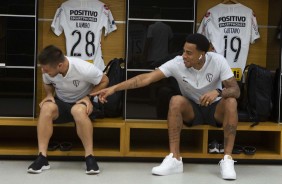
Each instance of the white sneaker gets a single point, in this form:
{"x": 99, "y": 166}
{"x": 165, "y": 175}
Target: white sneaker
{"x": 169, "y": 165}
{"x": 227, "y": 168}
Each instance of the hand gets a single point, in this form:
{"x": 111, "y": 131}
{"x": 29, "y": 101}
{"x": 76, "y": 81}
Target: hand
{"x": 208, "y": 98}
{"x": 47, "y": 99}
{"x": 86, "y": 101}
{"x": 103, "y": 94}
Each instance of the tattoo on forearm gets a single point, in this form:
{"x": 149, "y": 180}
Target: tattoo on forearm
{"x": 133, "y": 83}
{"x": 231, "y": 88}
{"x": 228, "y": 93}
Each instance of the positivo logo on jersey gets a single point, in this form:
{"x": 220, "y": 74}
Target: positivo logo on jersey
{"x": 83, "y": 15}
{"x": 232, "y": 21}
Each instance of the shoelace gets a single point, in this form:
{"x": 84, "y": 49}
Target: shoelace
{"x": 39, "y": 159}
{"x": 166, "y": 160}
{"x": 91, "y": 163}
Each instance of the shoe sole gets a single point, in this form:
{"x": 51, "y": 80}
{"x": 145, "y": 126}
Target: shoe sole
{"x": 229, "y": 178}
{"x": 166, "y": 173}
{"x": 38, "y": 171}
{"x": 92, "y": 172}
{"x": 214, "y": 150}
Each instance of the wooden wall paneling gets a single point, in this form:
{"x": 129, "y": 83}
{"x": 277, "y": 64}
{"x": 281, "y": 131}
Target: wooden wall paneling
{"x": 39, "y": 90}
{"x": 258, "y": 50}
{"x": 39, "y": 35}
{"x": 50, "y": 38}
{"x": 113, "y": 45}
{"x": 47, "y": 8}
{"x": 273, "y": 50}
{"x": 260, "y": 8}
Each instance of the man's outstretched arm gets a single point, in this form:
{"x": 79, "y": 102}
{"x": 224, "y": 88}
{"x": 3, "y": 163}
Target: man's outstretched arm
{"x": 133, "y": 83}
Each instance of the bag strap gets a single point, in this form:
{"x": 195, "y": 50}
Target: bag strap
{"x": 252, "y": 113}
{"x": 108, "y": 65}
{"x": 120, "y": 60}
{"x": 253, "y": 117}
{"x": 244, "y": 80}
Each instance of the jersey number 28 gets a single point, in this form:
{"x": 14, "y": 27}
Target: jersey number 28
{"x": 89, "y": 47}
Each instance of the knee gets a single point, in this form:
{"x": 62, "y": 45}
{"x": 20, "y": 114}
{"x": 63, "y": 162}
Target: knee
{"x": 230, "y": 104}
{"x": 48, "y": 109}
{"x": 78, "y": 110}
{"x": 175, "y": 101}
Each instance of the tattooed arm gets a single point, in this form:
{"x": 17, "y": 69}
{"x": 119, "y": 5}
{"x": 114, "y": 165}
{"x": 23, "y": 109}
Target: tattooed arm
{"x": 231, "y": 88}
{"x": 135, "y": 82}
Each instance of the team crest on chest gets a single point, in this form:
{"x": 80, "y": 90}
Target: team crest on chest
{"x": 76, "y": 83}
{"x": 209, "y": 77}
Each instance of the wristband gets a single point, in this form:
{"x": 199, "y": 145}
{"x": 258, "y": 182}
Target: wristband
{"x": 219, "y": 92}
{"x": 89, "y": 96}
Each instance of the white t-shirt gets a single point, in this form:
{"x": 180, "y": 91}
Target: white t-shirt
{"x": 194, "y": 83}
{"x": 160, "y": 33}
{"x": 82, "y": 22}
{"x": 231, "y": 28}
{"x": 77, "y": 83}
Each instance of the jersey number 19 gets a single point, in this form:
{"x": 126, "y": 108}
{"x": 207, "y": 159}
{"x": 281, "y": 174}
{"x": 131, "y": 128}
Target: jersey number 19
{"x": 232, "y": 43}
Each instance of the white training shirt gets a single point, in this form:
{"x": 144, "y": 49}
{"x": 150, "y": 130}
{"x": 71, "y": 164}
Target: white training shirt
{"x": 231, "y": 28}
{"x": 82, "y": 22}
{"x": 194, "y": 83}
{"x": 77, "y": 83}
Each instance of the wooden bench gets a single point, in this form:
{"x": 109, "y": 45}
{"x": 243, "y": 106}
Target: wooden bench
{"x": 115, "y": 137}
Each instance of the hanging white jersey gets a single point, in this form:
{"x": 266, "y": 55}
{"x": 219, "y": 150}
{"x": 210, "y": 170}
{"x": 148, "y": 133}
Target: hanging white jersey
{"x": 82, "y": 22}
{"x": 231, "y": 28}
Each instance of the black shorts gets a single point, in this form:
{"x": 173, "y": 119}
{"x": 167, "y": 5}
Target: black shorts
{"x": 204, "y": 115}
{"x": 65, "y": 115}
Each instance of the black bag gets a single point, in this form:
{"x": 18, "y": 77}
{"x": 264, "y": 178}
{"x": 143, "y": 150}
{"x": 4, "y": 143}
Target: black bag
{"x": 276, "y": 98}
{"x": 115, "y": 70}
{"x": 256, "y": 95}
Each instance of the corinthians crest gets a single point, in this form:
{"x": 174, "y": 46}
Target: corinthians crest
{"x": 76, "y": 83}
{"x": 209, "y": 77}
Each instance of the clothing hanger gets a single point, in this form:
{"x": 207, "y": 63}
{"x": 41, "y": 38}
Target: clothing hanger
{"x": 227, "y": 1}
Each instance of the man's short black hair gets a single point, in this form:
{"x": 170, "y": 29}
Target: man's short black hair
{"x": 201, "y": 42}
{"x": 51, "y": 55}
